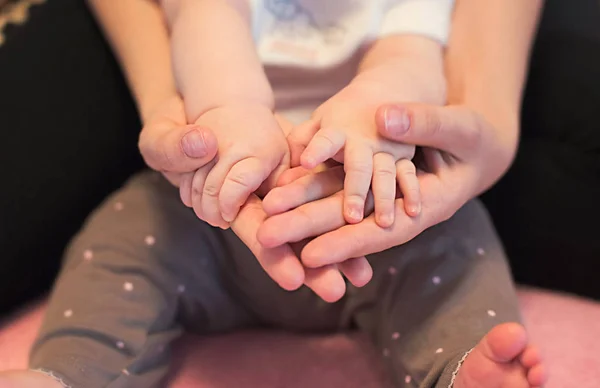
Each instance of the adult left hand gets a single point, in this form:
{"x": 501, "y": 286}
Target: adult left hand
{"x": 463, "y": 154}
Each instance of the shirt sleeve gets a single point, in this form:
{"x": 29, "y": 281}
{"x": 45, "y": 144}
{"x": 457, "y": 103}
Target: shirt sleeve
{"x": 430, "y": 18}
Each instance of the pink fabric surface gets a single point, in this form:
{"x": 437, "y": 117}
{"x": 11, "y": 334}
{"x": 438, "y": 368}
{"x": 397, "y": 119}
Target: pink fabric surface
{"x": 567, "y": 330}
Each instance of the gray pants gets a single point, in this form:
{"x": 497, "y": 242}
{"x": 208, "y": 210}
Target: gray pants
{"x": 144, "y": 269}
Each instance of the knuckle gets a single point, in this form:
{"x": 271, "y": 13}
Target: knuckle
{"x": 147, "y": 150}
{"x": 359, "y": 167}
{"x": 167, "y": 158}
{"x": 473, "y": 134}
{"x": 396, "y": 151}
{"x": 357, "y": 198}
{"x": 326, "y": 137}
{"x": 385, "y": 172}
{"x": 385, "y": 198}
{"x": 432, "y": 122}
{"x": 295, "y": 137}
{"x": 407, "y": 168}
{"x": 240, "y": 179}
{"x": 411, "y": 193}
{"x": 197, "y": 191}
{"x": 210, "y": 190}
{"x": 302, "y": 214}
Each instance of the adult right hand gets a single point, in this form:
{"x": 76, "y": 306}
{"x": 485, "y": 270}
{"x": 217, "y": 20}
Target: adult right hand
{"x": 465, "y": 150}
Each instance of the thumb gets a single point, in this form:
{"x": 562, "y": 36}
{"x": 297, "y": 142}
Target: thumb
{"x": 177, "y": 148}
{"x": 454, "y": 129}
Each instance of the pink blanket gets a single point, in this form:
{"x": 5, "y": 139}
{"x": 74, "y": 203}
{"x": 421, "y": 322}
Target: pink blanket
{"x": 566, "y": 328}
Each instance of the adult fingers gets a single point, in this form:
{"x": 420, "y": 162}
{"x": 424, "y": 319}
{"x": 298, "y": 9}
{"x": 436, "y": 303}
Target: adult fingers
{"x": 327, "y": 282}
{"x": 173, "y": 178}
{"x": 305, "y": 189}
{"x": 185, "y": 188}
{"x": 358, "y": 271}
{"x": 280, "y": 263}
{"x": 291, "y": 174}
{"x": 306, "y": 221}
{"x": 173, "y": 148}
{"x": 367, "y": 237}
{"x": 309, "y": 220}
{"x": 454, "y": 129}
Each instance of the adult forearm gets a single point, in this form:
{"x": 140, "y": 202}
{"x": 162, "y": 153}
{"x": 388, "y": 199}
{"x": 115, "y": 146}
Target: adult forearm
{"x": 487, "y": 58}
{"x": 138, "y": 35}
{"x": 214, "y": 56}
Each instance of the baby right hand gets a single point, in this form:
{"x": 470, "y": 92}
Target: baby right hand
{"x": 252, "y": 149}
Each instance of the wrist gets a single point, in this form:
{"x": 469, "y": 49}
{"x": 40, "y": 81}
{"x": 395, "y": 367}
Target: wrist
{"x": 149, "y": 104}
{"x": 402, "y": 48}
{"x": 238, "y": 100}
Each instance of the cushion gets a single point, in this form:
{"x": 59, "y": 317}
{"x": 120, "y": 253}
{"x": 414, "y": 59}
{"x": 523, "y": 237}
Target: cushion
{"x": 566, "y": 328}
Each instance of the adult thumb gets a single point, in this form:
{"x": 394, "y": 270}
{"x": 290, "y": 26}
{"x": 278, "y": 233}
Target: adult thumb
{"x": 180, "y": 149}
{"x": 454, "y": 129}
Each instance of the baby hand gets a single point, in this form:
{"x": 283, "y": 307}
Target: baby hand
{"x": 252, "y": 150}
{"x": 343, "y": 128}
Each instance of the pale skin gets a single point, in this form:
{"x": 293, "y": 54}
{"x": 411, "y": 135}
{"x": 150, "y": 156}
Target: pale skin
{"x": 238, "y": 107}
{"x": 478, "y": 131}
{"x": 395, "y": 69}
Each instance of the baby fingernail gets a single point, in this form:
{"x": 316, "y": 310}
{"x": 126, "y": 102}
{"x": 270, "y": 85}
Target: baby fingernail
{"x": 386, "y": 220}
{"x": 354, "y": 213}
{"x": 194, "y": 144}
{"x": 397, "y": 121}
{"x": 415, "y": 210}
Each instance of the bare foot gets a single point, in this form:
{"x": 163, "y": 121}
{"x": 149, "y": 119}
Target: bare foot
{"x": 27, "y": 379}
{"x": 503, "y": 359}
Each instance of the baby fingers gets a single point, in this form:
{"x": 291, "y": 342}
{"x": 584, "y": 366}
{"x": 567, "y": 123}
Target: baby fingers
{"x": 384, "y": 188}
{"x": 408, "y": 181}
{"x": 358, "y": 164}
{"x": 244, "y": 178}
{"x": 323, "y": 146}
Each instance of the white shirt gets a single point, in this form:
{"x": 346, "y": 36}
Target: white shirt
{"x": 311, "y": 48}
{"x": 324, "y": 33}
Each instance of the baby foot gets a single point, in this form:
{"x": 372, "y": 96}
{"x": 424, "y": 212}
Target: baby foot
{"x": 503, "y": 359}
{"x": 27, "y": 379}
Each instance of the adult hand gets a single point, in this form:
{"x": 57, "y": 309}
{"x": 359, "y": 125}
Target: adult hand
{"x": 281, "y": 263}
{"x": 172, "y": 147}
{"x": 178, "y": 150}
{"x": 463, "y": 155}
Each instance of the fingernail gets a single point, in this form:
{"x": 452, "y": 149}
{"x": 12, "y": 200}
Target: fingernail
{"x": 415, "y": 210}
{"x": 309, "y": 163}
{"x": 386, "y": 220}
{"x": 354, "y": 213}
{"x": 194, "y": 144}
{"x": 397, "y": 121}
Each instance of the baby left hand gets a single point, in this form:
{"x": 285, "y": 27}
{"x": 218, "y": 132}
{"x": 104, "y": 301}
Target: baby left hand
{"x": 344, "y": 129}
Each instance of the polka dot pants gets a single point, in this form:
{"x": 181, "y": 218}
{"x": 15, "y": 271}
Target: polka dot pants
{"x": 144, "y": 269}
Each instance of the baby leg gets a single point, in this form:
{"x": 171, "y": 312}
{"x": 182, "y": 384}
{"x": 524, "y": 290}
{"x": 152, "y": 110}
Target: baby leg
{"x": 142, "y": 264}
{"x": 432, "y": 300}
